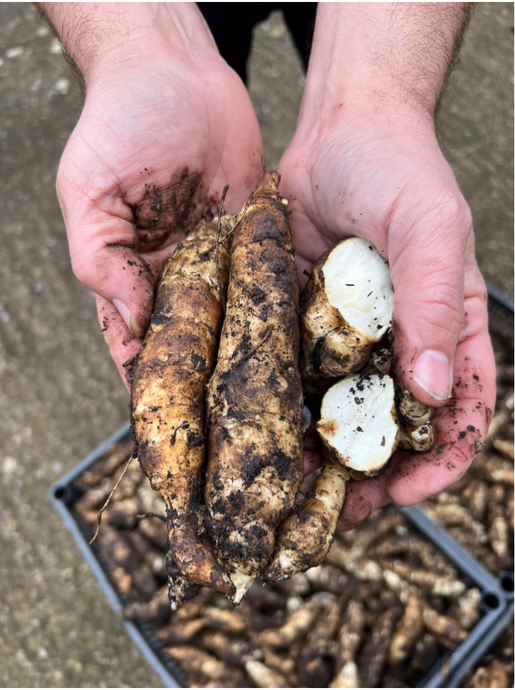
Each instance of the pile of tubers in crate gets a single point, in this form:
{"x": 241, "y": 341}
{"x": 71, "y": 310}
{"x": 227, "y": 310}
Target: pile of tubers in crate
{"x": 229, "y": 465}
{"x": 400, "y": 605}
{"x": 380, "y": 610}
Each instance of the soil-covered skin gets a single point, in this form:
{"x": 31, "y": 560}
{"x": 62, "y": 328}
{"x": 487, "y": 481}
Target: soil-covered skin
{"x": 165, "y": 214}
{"x": 168, "y": 397}
{"x": 255, "y": 396}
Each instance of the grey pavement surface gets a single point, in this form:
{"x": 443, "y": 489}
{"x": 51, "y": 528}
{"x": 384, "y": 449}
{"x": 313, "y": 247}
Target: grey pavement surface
{"x": 60, "y": 394}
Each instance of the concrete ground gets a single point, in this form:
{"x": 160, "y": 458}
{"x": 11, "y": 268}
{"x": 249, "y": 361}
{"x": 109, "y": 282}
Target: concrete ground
{"x": 60, "y": 394}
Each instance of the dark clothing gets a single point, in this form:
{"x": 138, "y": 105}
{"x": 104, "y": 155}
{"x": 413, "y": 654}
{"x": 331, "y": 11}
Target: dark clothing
{"x": 231, "y": 24}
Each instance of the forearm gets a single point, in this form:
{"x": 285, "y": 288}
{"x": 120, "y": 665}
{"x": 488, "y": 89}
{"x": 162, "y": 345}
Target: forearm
{"x": 100, "y": 35}
{"x": 381, "y": 57}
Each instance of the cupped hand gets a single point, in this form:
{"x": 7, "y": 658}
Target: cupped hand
{"x": 385, "y": 179}
{"x": 160, "y": 136}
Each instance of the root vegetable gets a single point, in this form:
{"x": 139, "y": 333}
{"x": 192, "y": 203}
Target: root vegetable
{"x": 297, "y": 624}
{"x": 476, "y": 494}
{"x": 412, "y": 412}
{"x": 279, "y": 660}
{"x": 362, "y": 568}
{"x": 363, "y": 539}
{"x": 407, "y": 631}
{"x": 441, "y": 586}
{"x": 498, "y": 530}
{"x": 425, "y": 653}
{"x": 305, "y": 537}
{"x": 123, "y": 513}
{"x": 358, "y": 425}
{"x": 347, "y": 677}
{"x": 264, "y": 677}
{"x": 420, "y": 438}
{"x": 121, "y": 578}
{"x": 351, "y": 630}
{"x": 446, "y": 630}
{"x": 313, "y": 669}
{"x": 380, "y": 361}
{"x": 455, "y": 515}
{"x": 375, "y": 651}
{"x": 466, "y": 608}
{"x": 255, "y": 398}
{"x": 231, "y": 650}
{"x": 492, "y": 676}
{"x": 411, "y": 544}
{"x": 199, "y": 666}
{"x": 297, "y": 585}
{"x": 225, "y": 619}
{"x": 193, "y": 609}
{"x": 168, "y": 416}
{"x": 505, "y": 447}
{"x": 181, "y": 634}
{"x": 180, "y": 588}
{"x": 329, "y": 579}
{"x": 345, "y": 308}
{"x": 151, "y": 610}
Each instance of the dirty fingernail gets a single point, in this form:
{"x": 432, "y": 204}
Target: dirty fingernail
{"x": 124, "y": 312}
{"x": 433, "y": 373}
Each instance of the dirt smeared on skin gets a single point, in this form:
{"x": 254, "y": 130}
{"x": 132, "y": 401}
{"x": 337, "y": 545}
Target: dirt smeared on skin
{"x": 172, "y": 209}
{"x": 356, "y": 508}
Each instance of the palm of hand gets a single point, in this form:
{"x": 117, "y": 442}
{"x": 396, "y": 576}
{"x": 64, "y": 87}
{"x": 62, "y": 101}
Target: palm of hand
{"x": 146, "y": 162}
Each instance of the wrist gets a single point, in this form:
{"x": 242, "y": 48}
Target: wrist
{"x": 360, "y": 121}
{"x": 383, "y": 61}
{"x": 102, "y": 37}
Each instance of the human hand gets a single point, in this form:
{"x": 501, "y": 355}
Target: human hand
{"x": 165, "y": 126}
{"x": 378, "y": 173}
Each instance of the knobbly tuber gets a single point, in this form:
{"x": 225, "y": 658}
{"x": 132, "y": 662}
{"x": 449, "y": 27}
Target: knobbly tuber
{"x": 240, "y": 515}
{"x": 168, "y": 416}
{"x": 346, "y": 307}
{"x": 255, "y": 397}
{"x": 305, "y": 536}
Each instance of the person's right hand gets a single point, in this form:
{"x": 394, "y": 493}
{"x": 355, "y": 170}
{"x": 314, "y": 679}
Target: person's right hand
{"x": 166, "y": 125}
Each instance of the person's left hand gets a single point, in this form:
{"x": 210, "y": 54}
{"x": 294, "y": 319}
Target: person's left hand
{"x": 385, "y": 179}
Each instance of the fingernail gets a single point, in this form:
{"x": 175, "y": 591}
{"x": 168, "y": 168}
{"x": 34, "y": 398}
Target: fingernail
{"x": 433, "y": 373}
{"x": 124, "y": 312}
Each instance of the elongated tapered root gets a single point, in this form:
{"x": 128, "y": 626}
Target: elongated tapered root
{"x": 346, "y": 307}
{"x": 168, "y": 409}
{"x": 306, "y": 536}
{"x": 408, "y": 630}
{"x": 359, "y": 425}
{"x": 255, "y": 398}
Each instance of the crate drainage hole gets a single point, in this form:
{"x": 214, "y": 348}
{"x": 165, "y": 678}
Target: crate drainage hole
{"x": 61, "y": 493}
{"x": 507, "y": 582}
{"x": 491, "y": 601}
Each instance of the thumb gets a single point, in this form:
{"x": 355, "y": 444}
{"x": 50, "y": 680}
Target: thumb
{"x": 104, "y": 256}
{"x": 428, "y": 269}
